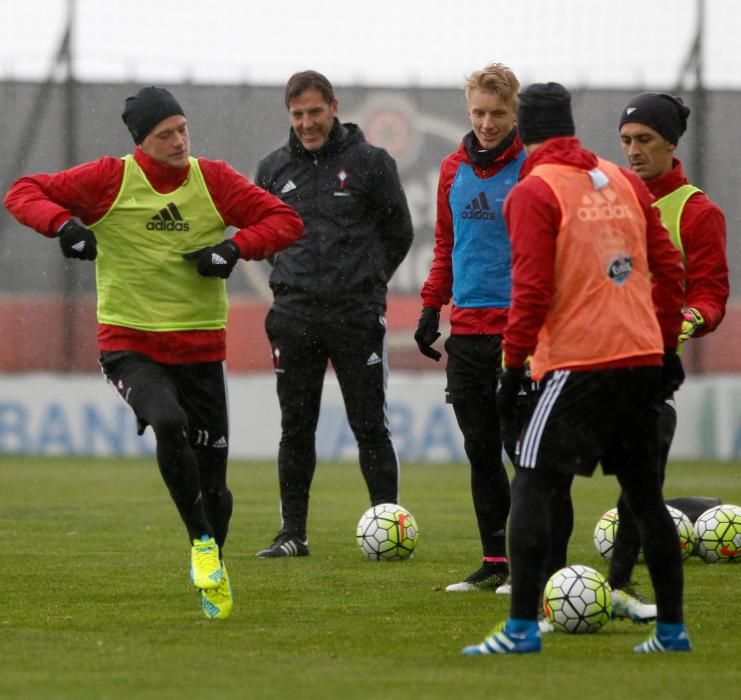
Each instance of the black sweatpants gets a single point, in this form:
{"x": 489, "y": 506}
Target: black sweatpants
{"x": 186, "y": 406}
{"x": 302, "y": 349}
{"x": 472, "y": 372}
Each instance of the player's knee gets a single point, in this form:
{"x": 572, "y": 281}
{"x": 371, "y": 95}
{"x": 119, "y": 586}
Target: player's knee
{"x": 160, "y": 409}
{"x": 170, "y": 425}
{"x": 476, "y": 434}
{"x": 293, "y": 440}
{"x": 371, "y": 437}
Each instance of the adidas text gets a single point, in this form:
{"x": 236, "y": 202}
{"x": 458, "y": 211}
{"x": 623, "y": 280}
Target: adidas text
{"x": 479, "y": 209}
{"x": 168, "y": 225}
{"x": 604, "y": 212}
{"x": 168, "y": 219}
{"x": 478, "y": 214}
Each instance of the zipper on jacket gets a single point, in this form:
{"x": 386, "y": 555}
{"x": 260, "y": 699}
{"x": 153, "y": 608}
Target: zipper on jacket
{"x": 317, "y": 206}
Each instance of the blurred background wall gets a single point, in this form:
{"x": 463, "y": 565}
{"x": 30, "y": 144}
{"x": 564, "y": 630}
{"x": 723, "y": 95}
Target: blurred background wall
{"x": 48, "y": 307}
{"x": 66, "y": 67}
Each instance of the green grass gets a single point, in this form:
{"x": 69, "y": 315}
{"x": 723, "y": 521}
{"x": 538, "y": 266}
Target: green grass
{"x": 96, "y": 603}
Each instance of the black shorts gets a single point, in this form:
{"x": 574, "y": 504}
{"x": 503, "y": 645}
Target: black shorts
{"x": 585, "y": 418}
{"x": 198, "y": 389}
{"x": 474, "y": 363}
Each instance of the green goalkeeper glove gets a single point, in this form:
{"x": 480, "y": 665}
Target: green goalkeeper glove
{"x": 692, "y": 321}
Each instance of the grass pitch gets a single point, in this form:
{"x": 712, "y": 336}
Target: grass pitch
{"x": 97, "y": 604}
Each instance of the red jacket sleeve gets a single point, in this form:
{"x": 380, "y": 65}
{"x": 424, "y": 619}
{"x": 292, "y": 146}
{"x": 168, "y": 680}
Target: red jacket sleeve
{"x": 266, "y": 225}
{"x": 44, "y": 202}
{"x": 438, "y": 287}
{"x": 665, "y": 265}
{"x": 703, "y": 228}
{"x": 533, "y": 218}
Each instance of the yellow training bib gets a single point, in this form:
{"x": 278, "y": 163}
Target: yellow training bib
{"x": 143, "y": 282}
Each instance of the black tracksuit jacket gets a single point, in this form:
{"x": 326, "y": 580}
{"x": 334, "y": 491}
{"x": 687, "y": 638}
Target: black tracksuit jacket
{"x": 357, "y": 226}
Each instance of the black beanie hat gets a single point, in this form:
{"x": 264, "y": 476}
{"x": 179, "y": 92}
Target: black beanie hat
{"x": 662, "y": 112}
{"x": 146, "y": 109}
{"x": 544, "y": 113}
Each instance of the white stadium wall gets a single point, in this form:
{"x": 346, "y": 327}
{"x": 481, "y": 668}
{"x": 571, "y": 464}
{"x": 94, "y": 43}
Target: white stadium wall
{"x": 53, "y": 414}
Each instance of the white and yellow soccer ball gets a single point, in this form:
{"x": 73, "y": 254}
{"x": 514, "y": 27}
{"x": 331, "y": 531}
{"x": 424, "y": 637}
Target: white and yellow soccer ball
{"x": 718, "y": 532}
{"x": 577, "y": 599}
{"x": 685, "y": 531}
{"x": 387, "y": 532}
{"x": 605, "y": 531}
{"x": 607, "y": 527}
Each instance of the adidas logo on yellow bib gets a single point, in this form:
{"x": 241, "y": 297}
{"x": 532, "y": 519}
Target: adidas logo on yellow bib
{"x": 168, "y": 219}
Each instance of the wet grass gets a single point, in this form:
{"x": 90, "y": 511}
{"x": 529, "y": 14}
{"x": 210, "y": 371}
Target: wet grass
{"x": 96, "y": 602}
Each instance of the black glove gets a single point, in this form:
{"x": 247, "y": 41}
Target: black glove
{"x": 510, "y": 387}
{"x": 672, "y": 374}
{"x": 77, "y": 241}
{"x": 427, "y": 333}
{"x": 216, "y": 260}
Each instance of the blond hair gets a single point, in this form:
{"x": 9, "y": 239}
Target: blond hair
{"x": 497, "y": 78}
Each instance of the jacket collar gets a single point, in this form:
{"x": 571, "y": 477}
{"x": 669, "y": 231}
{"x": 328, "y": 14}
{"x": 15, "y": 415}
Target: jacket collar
{"x": 507, "y": 150}
{"x": 668, "y": 182}
{"x": 563, "y": 150}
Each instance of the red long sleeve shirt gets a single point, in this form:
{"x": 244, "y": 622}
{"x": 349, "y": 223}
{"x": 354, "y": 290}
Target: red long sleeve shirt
{"x": 44, "y": 202}
{"x": 533, "y": 217}
{"x": 703, "y": 231}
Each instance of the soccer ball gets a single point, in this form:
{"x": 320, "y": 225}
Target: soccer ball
{"x": 718, "y": 532}
{"x": 607, "y": 525}
{"x": 577, "y": 599}
{"x": 685, "y": 531}
{"x": 605, "y": 531}
{"x": 387, "y": 531}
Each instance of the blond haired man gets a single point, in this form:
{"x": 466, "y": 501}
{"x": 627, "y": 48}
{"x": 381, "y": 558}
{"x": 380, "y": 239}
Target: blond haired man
{"x": 602, "y": 342}
{"x": 471, "y": 265}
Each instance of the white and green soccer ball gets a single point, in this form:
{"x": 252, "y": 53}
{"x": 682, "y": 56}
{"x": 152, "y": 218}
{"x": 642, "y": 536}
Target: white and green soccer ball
{"x": 577, "y": 599}
{"x": 387, "y": 531}
{"x": 607, "y": 526}
{"x": 686, "y": 532}
{"x": 718, "y": 532}
{"x": 605, "y": 531}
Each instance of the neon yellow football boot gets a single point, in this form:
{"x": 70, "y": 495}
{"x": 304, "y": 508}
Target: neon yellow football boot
{"x": 205, "y": 565}
{"x": 217, "y": 602}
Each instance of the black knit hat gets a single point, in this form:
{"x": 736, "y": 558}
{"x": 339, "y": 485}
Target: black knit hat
{"x": 662, "y": 112}
{"x": 544, "y": 113}
{"x": 146, "y": 109}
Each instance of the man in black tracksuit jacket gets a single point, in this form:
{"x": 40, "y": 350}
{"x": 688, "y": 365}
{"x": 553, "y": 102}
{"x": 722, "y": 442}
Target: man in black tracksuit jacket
{"x": 330, "y": 295}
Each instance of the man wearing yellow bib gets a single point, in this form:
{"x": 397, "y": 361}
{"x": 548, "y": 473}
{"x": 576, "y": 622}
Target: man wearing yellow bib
{"x": 651, "y": 125}
{"x": 154, "y": 223}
